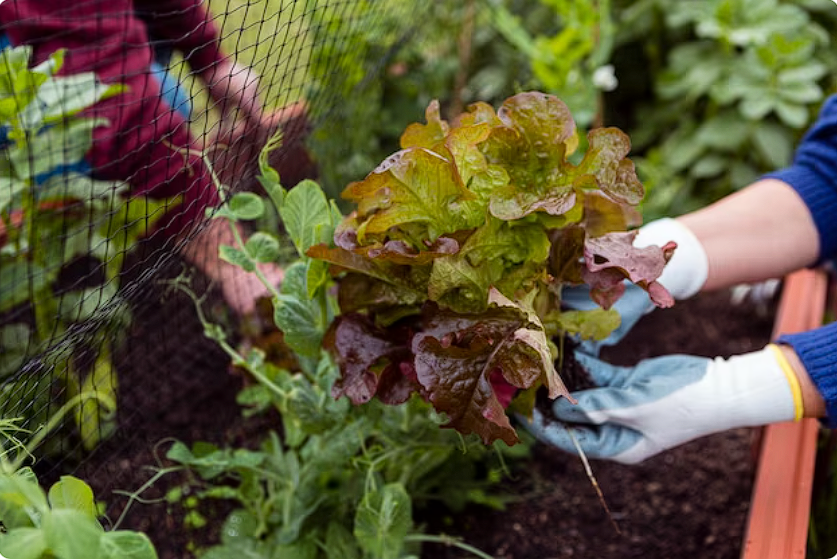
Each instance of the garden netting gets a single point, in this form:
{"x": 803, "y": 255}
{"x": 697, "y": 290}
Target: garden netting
{"x": 118, "y": 117}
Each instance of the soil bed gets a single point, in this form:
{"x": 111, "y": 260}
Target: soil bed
{"x": 689, "y": 502}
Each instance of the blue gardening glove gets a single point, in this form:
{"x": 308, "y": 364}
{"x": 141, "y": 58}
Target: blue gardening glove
{"x": 636, "y": 412}
{"x": 683, "y": 276}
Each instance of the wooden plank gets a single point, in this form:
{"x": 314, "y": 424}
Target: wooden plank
{"x": 777, "y": 526}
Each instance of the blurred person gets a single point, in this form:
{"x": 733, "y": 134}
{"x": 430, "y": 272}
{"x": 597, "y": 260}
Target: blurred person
{"x": 147, "y": 123}
{"x": 784, "y": 221}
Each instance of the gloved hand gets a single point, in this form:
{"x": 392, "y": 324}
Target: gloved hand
{"x": 636, "y": 412}
{"x": 683, "y": 276}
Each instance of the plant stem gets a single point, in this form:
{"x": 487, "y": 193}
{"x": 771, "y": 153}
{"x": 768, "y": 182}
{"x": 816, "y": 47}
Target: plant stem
{"x": 448, "y": 541}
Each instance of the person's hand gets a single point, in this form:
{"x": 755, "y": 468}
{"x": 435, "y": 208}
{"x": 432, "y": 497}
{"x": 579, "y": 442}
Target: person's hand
{"x": 238, "y": 144}
{"x": 636, "y": 412}
{"x": 235, "y": 88}
{"x": 683, "y": 276}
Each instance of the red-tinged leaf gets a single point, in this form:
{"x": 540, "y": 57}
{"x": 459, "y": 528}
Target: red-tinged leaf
{"x": 426, "y": 135}
{"x": 414, "y": 186}
{"x": 531, "y": 351}
{"x": 504, "y": 390}
{"x": 372, "y": 361}
{"x": 358, "y": 292}
{"x": 459, "y": 359}
{"x": 606, "y": 286}
{"x": 400, "y": 252}
{"x": 565, "y": 255}
{"x": 544, "y": 119}
{"x": 457, "y": 382}
{"x": 611, "y": 258}
{"x": 605, "y": 160}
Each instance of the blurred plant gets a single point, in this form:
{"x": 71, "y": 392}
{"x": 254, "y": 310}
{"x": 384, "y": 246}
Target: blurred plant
{"x": 53, "y": 217}
{"x": 571, "y": 58}
{"x": 378, "y": 73}
{"x": 739, "y": 81}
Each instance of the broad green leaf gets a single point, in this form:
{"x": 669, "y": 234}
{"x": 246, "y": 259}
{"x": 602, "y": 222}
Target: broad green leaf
{"x": 22, "y": 502}
{"x": 14, "y": 344}
{"x": 426, "y": 135}
{"x": 237, "y": 257}
{"x": 23, "y": 542}
{"x": 595, "y": 324}
{"x": 126, "y": 544}
{"x": 774, "y": 144}
{"x": 414, "y": 186}
{"x": 339, "y": 542}
{"x": 383, "y": 519}
{"x": 307, "y": 216}
{"x": 262, "y": 247}
{"x": 463, "y": 287}
{"x": 62, "y": 144}
{"x": 71, "y": 493}
{"x": 71, "y": 534}
{"x": 300, "y": 322}
{"x": 83, "y": 304}
{"x": 246, "y": 206}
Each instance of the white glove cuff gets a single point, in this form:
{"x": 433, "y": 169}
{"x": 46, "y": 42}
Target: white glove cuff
{"x": 757, "y": 388}
{"x": 686, "y": 272}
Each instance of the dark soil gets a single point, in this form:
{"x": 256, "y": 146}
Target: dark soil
{"x": 689, "y": 502}
{"x": 174, "y": 384}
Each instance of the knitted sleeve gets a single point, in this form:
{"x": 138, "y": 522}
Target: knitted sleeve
{"x": 813, "y": 174}
{"x": 818, "y": 351}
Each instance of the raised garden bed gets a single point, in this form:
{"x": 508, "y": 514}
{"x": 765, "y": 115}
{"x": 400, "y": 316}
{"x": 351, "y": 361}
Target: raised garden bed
{"x": 691, "y": 501}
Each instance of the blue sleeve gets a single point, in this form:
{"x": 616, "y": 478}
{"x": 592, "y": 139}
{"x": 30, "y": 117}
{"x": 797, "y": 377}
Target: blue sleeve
{"x": 813, "y": 174}
{"x": 817, "y": 349}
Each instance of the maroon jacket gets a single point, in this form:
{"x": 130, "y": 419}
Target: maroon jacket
{"x": 111, "y": 38}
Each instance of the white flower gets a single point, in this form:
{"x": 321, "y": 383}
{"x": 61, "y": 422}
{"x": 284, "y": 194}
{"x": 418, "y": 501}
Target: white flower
{"x": 604, "y": 77}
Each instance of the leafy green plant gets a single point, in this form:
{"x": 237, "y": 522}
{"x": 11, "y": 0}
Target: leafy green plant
{"x": 458, "y": 251}
{"x": 60, "y": 523}
{"x": 51, "y": 215}
{"x": 341, "y": 481}
{"x": 735, "y": 83}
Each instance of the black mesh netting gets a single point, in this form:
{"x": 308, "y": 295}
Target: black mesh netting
{"x": 115, "y": 115}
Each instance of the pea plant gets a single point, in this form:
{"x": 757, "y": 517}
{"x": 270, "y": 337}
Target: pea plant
{"x": 735, "y": 84}
{"x": 452, "y": 265}
{"x": 340, "y": 481}
{"x": 62, "y": 522}
{"x": 51, "y": 215}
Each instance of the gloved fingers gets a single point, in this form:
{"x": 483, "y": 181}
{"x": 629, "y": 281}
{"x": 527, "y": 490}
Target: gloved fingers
{"x": 632, "y": 306}
{"x": 602, "y": 373}
{"x": 607, "y": 441}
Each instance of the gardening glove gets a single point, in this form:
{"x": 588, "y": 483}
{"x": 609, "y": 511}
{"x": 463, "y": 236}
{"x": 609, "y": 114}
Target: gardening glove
{"x": 683, "y": 276}
{"x": 636, "y": 412}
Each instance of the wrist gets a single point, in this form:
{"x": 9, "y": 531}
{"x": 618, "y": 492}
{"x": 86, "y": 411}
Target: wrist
{"x": 811, "y": 401}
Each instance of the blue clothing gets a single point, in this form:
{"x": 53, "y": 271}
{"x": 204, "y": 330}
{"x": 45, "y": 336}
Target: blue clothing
{"x": 813, "y": 175}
